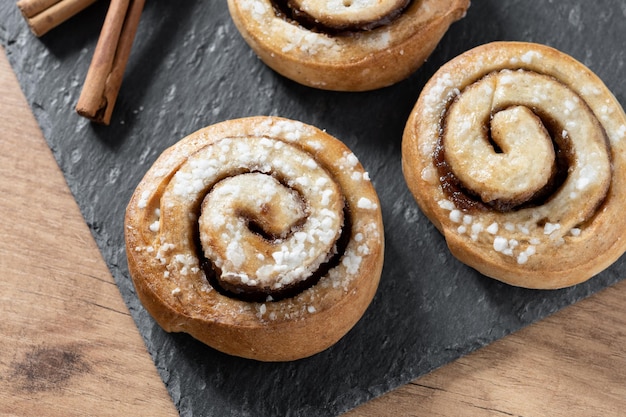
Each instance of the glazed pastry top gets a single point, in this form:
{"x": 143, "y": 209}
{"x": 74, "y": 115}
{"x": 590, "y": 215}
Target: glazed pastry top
{"x": 515, "y": 151}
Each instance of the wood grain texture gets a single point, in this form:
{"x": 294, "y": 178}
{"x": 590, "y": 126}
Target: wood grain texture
{"x": 570, "y": 364}
{"x": 70, "y": 348}
{"x": 69, "y": 344}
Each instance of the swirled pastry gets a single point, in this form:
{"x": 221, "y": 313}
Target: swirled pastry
{"x": 261, "y": 237}
{"x": 517, "y": 153}
{"x": 345, "y": 45}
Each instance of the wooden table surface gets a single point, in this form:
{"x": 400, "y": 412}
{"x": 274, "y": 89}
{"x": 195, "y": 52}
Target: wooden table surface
{"x": 69, "y": 347}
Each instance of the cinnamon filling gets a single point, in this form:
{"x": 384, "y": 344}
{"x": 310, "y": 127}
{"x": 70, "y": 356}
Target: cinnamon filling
{"x": 466, "y": 199}
{"x": 271, "y": 226}
{"x": 263, "y": 294}
{"x": 340, "y": 16}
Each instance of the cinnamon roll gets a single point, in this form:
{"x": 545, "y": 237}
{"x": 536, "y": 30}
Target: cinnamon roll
{"x": 261, "y": 237}
{"x": 517, "y": 153}
{"x": 345, "y": 45}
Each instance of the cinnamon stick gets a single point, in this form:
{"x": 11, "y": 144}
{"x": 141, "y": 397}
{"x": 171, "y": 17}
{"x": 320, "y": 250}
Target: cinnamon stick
{"x": 105, "y": 73}
{"x": 44, "y": 15}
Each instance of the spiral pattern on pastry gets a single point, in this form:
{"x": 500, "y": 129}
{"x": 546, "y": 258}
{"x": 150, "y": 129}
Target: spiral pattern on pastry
{"x": 261, "y": 237}
{"x": 516, "y": 152}
{"x": 345, "y": 45}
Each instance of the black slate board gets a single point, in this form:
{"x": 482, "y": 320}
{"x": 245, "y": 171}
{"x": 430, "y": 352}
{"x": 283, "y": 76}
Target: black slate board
{"x": 190, "y": 68}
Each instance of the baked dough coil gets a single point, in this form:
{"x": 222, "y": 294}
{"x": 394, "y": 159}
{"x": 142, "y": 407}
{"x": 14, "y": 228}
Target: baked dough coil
{"x": 345, "y": 45}
{"x": 516, "y": 152}
{"x": 261, "y": 237}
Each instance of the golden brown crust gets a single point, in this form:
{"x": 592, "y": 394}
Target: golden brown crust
{"x": 552, "y": 241}
{"x": 165, "y": 266}
{"x": 357, "y": 61}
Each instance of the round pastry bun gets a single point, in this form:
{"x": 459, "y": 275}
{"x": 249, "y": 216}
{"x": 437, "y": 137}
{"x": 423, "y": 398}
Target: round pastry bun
{"x": 261, "y": 237}
{"x": 349, "y": 59}
{"x": 517, "y": 154}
